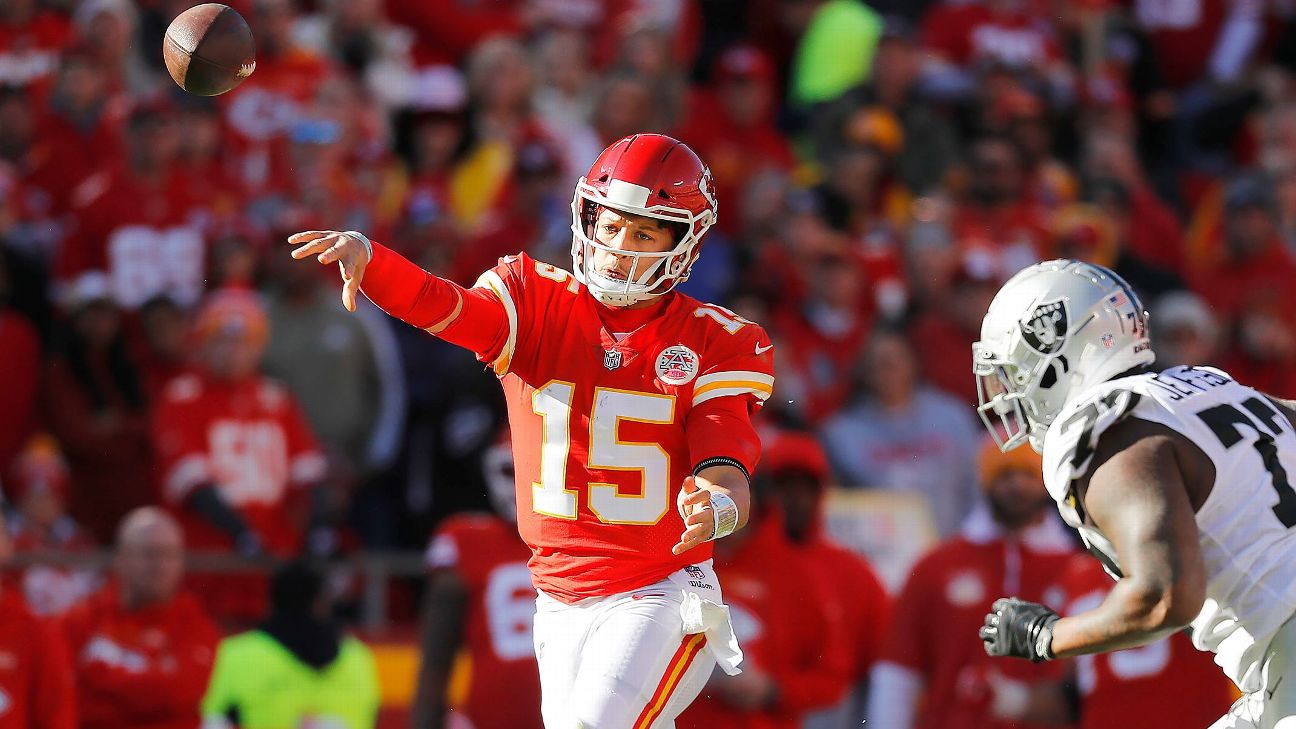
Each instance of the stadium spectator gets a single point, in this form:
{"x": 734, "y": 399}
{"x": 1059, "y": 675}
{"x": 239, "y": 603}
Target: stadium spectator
{"x": 237, "y": 459}
{"x": 1116, "y": 183}
{"x": 1249, "y": 267}
{"x": 994, "y": 214}
{"x": 797, "y": 469}
{"x": 1088, "y": 233}
{"x": 36, "y": 688}
{"x": 730, "y": 124}
{"x": 795, "y": 658}
{"x": 96, "y": 408}
{"x": 163, "y": 349}
{"x": 41, "y": 524}
{"x": 480, "y": 601}
{"x": 902, "y": 434}
{"x": 109, "y": 30}
{"x": 931, "y": 673}
{"x": 1186, "y": 331}
{"x": 356, "y": 417}
{"x": 136, "y": 220}
{"x": 564, "y": 96}
{"x": 142, "y": 649}
{"x": 31, "y": 40}
{"x": 1167, "y": 684}
{"x": 20, "y": 370}
{"x": 942, "y": 335}
{"x": 297, "y": 668}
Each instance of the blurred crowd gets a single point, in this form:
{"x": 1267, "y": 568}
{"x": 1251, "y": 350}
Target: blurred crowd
{"x": 882, "y": 167}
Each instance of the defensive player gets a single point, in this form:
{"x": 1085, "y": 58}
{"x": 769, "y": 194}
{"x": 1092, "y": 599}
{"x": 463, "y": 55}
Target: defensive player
{"x": 1177, "y": 480}
{"x": 630, "y": 408}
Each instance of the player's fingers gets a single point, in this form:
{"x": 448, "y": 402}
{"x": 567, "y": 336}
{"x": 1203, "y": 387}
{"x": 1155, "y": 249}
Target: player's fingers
{"x": 690, "y": 485}
{"x": 702, "y": 516}
{"x": 307, "y": 235}
{"x": 695, "y": 498}
{"x": 310, "y": 249}
{"x": 349, "y": 291}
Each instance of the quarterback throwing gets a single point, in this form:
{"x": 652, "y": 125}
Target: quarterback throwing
{"x": 1178, "y": 481}
{"x": 630, "y": 406}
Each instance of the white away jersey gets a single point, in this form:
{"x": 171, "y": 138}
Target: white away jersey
{"x": 1247, "y": 525}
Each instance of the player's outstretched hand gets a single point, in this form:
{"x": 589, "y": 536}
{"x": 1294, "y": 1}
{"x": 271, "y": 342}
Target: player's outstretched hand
{"x": 699, "y": 520}
{"x": 349, "y": 250}
{"x": 1016, "y": 627}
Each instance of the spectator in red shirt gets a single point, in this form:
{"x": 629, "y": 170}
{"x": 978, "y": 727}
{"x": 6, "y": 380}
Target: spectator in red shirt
{"x": 933, "y": 673}
{"x": 137, "y": 221}
{"x": 1251, "y": 269}
{"x": 36, "y": 688}
{"x": 97, "y": 410}
{"x": 142, "y": 649}
{"x": 730, "y": 124}
{"x": 994, "y": 213}
{"x": 237, "y": 459}
{"x": 943, "y": 334}
{"x": 41, "y": 524}
{"x": 795, "y": 658}
{"x": 798, "y": 471}
{"x": 31, "y": 40}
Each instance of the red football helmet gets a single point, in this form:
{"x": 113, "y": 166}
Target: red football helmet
{"x": 654, "y": 176}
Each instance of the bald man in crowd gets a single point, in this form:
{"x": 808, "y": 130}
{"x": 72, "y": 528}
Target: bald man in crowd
{"x": 142, "y": 649}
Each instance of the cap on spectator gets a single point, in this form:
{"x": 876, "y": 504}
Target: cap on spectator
{"x": 796, "y": 452}
{"x": 90, "y": 287}
{"x": 40, "y": 467}
{"x": 743, "y": 62}
{"x": 1184, "y": 310}
{"x": 537, "y": 158}
{"x": 875, "y": 126}
{"x": 993, "y": 463}
{"x": 1250, "y": 191}
{"x": 235, "y": 312}
{"x": 438, "y": 90}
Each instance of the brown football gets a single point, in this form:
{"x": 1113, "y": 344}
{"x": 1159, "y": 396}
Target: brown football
{"x": 209, "y": 49}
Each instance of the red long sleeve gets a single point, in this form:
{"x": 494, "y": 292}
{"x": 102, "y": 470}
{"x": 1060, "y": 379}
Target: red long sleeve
{"x": 474, "y": 319}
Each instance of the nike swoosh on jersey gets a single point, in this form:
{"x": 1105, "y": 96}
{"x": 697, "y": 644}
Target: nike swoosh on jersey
{"x": 762, "y": 350}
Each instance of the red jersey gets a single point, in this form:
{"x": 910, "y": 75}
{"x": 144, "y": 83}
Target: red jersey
{"x": 29, "y": 53}
{"x": 938, "y": 613}
{"x": 143, "y": 236}
{"x": 487, "y": 555}
{"x": 606, "y": 428}
{"x": 1166, "y": 685}
{"x": 855, "y": 598}
{"x": 140, "y": 669}
{"x": 779, "y": 607}
{"x": 36, "y": 690}
{"x": 249, "y": 440}
{"x": 967, "y": 33}
{"x": 51, "y": 590}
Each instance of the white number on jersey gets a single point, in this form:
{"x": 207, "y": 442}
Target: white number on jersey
{"x": 606, "y": 451}
{"x": 510, "y": 610}
{"x": 145, "y": 262}
{"x": 722, "y": 316}
{"x": 249, "y": 460}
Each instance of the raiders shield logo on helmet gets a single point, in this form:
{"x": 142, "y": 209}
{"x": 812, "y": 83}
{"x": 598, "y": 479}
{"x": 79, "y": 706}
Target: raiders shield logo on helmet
{"x": 1045, "y": 329}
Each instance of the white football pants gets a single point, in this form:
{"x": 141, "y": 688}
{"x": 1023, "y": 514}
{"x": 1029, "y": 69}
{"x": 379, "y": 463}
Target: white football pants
{"x": 633, "y": 660}
{"x": 1274, "y": 706}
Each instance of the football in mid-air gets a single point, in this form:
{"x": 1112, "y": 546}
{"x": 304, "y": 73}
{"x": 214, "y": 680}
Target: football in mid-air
{"x": 209, "y": 49}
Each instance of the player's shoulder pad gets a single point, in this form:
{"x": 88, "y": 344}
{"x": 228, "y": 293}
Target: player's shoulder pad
{"x": 183, "y": 388}
{"x": 737, "y": 359}
{"x": 1073, "y": 437}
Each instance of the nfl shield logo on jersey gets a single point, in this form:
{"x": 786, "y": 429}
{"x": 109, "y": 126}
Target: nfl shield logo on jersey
{"x": 677, "y": 365}
{"x": 611, "y": 358}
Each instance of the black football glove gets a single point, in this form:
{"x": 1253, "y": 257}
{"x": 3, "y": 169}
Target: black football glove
{"x": 1018, "y": 628}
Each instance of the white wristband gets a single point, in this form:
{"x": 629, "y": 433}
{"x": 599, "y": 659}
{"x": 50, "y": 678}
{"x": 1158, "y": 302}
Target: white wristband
{"x": 725, "y": 512}
{"x": 363, "y": 239}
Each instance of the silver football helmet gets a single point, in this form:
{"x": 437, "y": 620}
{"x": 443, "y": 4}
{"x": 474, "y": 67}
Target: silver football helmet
{"x": 1055, "y": 329}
